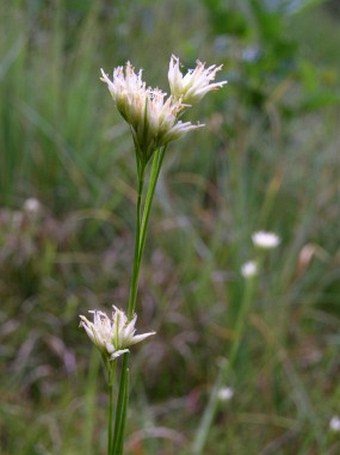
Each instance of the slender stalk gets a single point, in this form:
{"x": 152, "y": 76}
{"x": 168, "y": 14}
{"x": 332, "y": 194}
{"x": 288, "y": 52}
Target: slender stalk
{"x": 154, "y": 174}
{"x": 210, "y": 410}
{"x": 120, "y": 443}
{"x": 111, "y": 380}
{"x": 110, "y": 422}
{"x": 136, "y": 259}
{"x": 121, "y": 408}
{"x": 142, "y": 221}
{"x": 143, "y": 215}
{"x": 241, "y": 320}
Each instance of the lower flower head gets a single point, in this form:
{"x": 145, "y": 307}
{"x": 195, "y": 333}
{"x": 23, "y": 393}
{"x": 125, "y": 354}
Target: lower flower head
{"x": 114, "y": 335}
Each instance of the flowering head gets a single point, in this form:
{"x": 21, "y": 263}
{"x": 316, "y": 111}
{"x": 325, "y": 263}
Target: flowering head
{"x": 112, "y": 336}
{"x": 195, "y": 84}
{"x": 152, "y": 117}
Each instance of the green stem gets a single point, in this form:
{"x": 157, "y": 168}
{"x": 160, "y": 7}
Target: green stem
{"x": 154, "y": 174}
{"x": 110, "y": 432}
{"x": 111, "y": 371}
{"x": 120, "y": 443}
{"x": 210, "y": 410}
{"x": 121, "y": 408}
{"x": 241, "y": 320}
{"x": 143, "y": 215}
{"x": 142, "y": 221}
{"x": 136, "y": 261}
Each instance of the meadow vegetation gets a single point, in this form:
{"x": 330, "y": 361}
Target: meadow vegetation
{"x": 268, "y": 158}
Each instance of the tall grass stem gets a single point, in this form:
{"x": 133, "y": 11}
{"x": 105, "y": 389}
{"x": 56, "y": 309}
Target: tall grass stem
{"x": 225, "y": 368}
{"x": 143, "y": 211}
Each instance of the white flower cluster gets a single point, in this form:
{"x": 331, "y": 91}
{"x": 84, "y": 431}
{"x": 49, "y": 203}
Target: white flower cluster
{"x": 154, "y": 119}
{"x": 263, "y": 240}
{"x": 112, "y": 336}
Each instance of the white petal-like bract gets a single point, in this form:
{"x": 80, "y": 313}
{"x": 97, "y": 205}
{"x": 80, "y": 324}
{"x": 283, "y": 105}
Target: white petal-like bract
{"x": 195, "y": 84}
{"x": 112, "y": 336}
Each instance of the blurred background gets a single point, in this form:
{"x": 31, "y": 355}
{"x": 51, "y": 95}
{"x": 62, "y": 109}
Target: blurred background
{"x": 268, "y": 158}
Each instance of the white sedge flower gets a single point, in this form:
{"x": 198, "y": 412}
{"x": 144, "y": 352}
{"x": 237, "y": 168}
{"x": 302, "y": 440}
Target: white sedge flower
{"x": 112, "y": 336}
{"x": 265, "y": 240}
{"x": 334, "y": 424}
{"x": 195, "y": 84}
{"x": 32, "y": 206}
{"x": 154, "y": 119}
{"x": 225, "y": 394}
{"x": 249, "y": 269}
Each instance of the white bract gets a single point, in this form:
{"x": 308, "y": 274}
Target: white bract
{"x": 153, "y": 118}
{"x": 112, "y": 336}
{"x": 195, "y": 84}
{"x": 249, "y": 269}
{"x": 265, "y": 240}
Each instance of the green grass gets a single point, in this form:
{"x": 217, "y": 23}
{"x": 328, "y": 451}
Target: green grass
{"x": 257, "y": 165}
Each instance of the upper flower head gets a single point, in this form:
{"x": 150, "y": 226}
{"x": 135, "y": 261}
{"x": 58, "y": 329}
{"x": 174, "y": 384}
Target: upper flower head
{"x": 195, "y": 84}
{"x": 154, "y": 119}
{"x": 265, "y": 240}
{"x": 112, "y": 336}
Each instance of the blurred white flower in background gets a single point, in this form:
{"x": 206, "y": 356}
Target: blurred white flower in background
{"x": 265, "y": 240}
{"x": 112, "y": 336}
{"x": 334, "y": 424}
{"x": 249, "y": 269}
{"x": 32, "y": 206}
{"x": 225, "y": 394}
